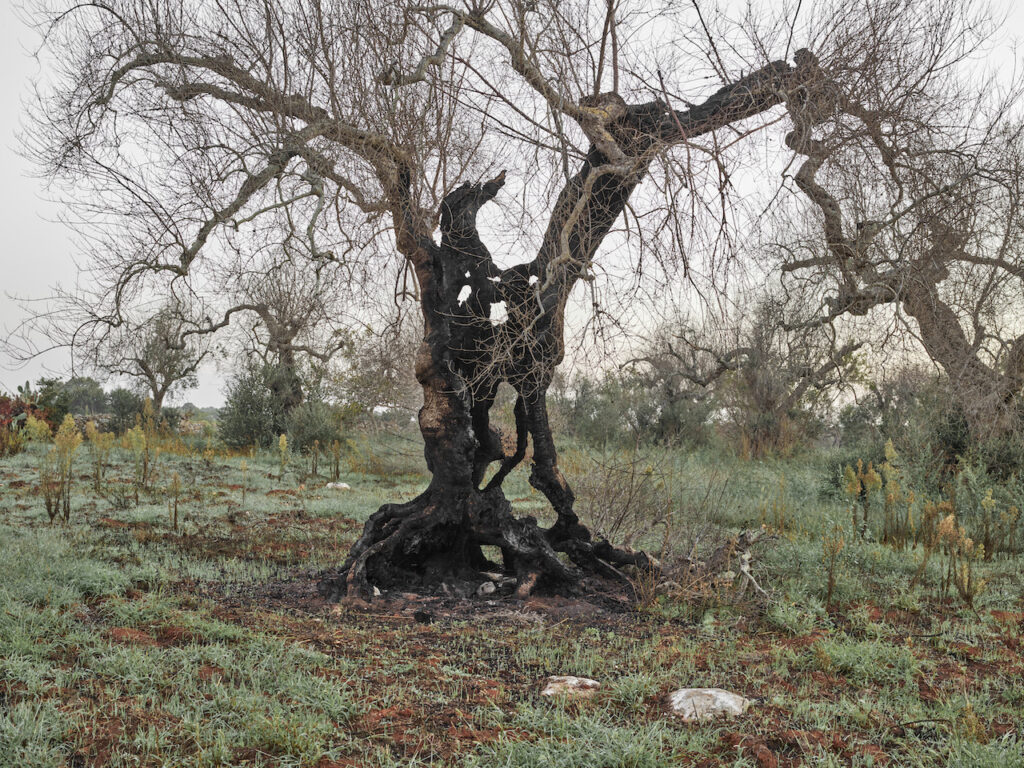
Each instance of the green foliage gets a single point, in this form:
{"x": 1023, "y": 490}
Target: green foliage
{"x": 125, "y": 407}
{"x": 41, "y": 568}
{"x": 15, "y": 413}
{"x": 143, "y": 442}
{"x": 622, "y": 409}
{"x": 37, "y": 430}
{"x": 834, "y": 466}
{"x": 30, "y": 735}
{"x": 56, "y": 470}
{"x": 78, "y": 395}
{"x": 311, "y": 422}
{"x": 586, "y": 741}
{"x": 99, "y": 623}
{"x": 170, "y": 418}
{"x": 11, "y": 440}
{"x": 100, "y": 446}
{"x": 252, "y": 414}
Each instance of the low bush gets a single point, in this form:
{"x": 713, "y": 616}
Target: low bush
{"x": 251, "y": 415}
{"x": 14, "y": 415}
{"x": 313, "y": 422}
{"x": 125, "y": 406}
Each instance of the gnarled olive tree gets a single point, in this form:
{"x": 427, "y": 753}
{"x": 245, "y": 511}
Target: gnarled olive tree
{"x": 292, "y": 319}
{"x": 353, "y": 125}
{"x": 913, "y": 176}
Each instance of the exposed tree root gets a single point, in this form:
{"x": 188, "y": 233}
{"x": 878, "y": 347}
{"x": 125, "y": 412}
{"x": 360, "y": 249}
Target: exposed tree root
{"x": 432, "y": 544}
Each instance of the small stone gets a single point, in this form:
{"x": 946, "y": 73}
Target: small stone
{"x": 571, "y": 686}
{"x": 339, "y": 486}
{"x": 376, "y": 591}
{"x": 487, "y": 588}
{"x": 695, "y": 704}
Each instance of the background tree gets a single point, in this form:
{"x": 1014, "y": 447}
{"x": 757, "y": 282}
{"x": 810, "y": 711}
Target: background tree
{"x": 913, "y": 176}
{"x": 258, "y": 119}
{"x": 125, "y": 407}
{"x": 252, "y": 413}
{"x": 78, "y": 395}
{"x": 378, "y": 370}
{"x": 769, "y": 379}
{"x": 296, "y": 324}
{"x": 894, "y": 404}
{"x": 155, "y": 353}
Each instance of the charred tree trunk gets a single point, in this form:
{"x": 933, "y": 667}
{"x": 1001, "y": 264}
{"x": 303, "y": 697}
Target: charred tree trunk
{"x": 436, "y": 539}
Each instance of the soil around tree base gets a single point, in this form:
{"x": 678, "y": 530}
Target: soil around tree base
{"x": 600, "y": 602}
{"x": 433, "y": 545}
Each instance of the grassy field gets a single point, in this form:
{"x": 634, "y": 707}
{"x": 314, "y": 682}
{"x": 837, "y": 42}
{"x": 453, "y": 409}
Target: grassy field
{"x": 125, "y": 642}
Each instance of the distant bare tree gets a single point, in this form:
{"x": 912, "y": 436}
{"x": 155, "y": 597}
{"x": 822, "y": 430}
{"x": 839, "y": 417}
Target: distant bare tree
{"x": 762, "y": 373}
{"x": 154, "y": 353}
{"x": 292, "y": 322}
{"x": 310, "y": 122}
{"x": 158, "y": 350}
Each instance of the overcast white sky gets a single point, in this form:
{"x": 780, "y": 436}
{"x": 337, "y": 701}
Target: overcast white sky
{"x": 37, "y": 251}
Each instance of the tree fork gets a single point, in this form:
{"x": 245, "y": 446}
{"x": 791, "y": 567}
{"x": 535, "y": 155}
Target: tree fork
{"x": 434, "y": 542}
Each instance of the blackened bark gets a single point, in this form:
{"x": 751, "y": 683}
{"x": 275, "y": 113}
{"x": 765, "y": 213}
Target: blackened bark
{"x": 435, "y": 540}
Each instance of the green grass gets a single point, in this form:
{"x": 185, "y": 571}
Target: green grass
{"x": 126, "y": 643}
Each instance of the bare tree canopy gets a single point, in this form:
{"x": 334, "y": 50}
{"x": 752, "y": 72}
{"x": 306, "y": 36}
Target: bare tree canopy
{"x": 345, "y": 131}
{"x": 292, "y": 320}
{"x": 913, "y": 174}
{"x": 763, "y": 373}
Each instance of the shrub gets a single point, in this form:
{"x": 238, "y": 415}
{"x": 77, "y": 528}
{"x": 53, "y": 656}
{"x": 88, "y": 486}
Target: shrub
{"x": 313, "y": 421}
{"x": 37, "y": 430}
{"x": 125, "y": 405}
{"x": 14, "y": 417}
{"x": 79, "y": 394}
{"x": 170, "y": 418}
{"x": 56, "y": 470}
{"x": 251, "y": 415}
{"x": 11, "y": 441}
{"x": 623, "y": 409}
{"x": 100, "y": 445}
{"x": 626, "y": 494}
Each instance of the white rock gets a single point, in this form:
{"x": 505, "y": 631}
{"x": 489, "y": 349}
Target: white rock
{"x": 706, "y": 703}
{"x": 376, "y": 592}
{"x": 569, "y": 685}
{"x": 487, "y": 588}
{"x": 339, "y": 486}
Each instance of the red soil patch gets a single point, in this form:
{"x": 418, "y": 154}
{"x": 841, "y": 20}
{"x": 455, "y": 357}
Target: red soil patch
{"x": 171, "y": 635}
{"x": 131, "y": 636}
{"x": 208, "y": 673}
